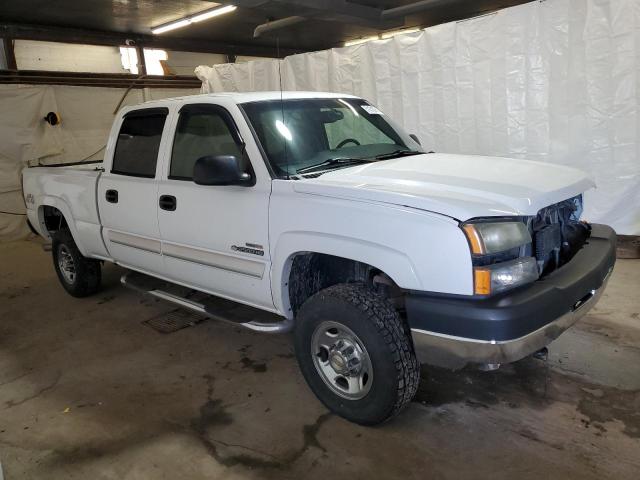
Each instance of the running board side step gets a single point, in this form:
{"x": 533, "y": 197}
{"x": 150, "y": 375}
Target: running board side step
{"x": 209, "y": 305}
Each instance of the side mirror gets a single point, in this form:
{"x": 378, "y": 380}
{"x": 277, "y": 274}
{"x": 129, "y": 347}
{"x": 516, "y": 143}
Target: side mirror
{"x": 220, "y": 170}
{"x": 415, "y": 138}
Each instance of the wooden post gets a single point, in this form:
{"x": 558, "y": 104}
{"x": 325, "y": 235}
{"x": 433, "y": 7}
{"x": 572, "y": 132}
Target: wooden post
{"x": 9, "y": 54}
{"x": 142, "y": 65}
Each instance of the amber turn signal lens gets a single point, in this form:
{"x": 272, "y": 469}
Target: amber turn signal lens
{"x": 482, "y": 281}
{"x": 475, "y": 241}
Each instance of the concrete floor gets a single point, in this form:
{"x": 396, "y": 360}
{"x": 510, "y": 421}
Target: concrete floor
{"x": 88, "y": 391}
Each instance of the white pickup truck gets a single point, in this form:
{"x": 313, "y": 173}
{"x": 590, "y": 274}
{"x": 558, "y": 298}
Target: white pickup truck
{"x": 318, "y": 211}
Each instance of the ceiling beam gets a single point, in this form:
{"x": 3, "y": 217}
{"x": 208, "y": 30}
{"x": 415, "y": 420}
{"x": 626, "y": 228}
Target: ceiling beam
{"x": 96, "y": 37}
{"x": 114, "y": 80}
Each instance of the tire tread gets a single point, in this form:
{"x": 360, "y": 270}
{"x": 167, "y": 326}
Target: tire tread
{"x": 391, "y": 328}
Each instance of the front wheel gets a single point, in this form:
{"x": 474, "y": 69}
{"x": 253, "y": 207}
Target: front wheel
{"x": 80, "y": 276}
{"x": 355, "y": 354}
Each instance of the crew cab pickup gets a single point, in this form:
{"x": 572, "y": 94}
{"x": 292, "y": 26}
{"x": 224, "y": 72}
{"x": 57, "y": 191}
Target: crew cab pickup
{"x": 324, "y": 217}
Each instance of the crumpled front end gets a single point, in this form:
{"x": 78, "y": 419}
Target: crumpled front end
{"x": 454, "y": 330}
{"x": 557, "y": 234}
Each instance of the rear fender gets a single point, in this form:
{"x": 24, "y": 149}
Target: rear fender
{"x": 65, "y": 210}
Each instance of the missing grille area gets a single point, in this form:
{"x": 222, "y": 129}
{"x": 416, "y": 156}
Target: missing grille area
{"x": 558, "y": 234}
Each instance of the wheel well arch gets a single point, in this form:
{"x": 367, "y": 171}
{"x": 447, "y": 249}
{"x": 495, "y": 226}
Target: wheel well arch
{"x": 52, "y": 219}
{"x": 310, "y": 272}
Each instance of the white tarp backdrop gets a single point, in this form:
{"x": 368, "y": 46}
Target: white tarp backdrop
{"x": 555, "y": 81}
{"x": 25, "y": 138}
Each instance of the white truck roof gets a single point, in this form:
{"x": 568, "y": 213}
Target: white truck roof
{"x": 245, "y": 97}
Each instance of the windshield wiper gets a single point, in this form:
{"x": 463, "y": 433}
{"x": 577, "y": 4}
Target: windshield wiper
{"x": 396, "y": 153}
{"x": 333, "y": 161}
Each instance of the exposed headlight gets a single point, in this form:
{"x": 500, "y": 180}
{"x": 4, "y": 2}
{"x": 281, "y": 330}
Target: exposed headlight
{"x": 496, "y": 247}
{"x": 498, "y": 277}
{"x": 493, "y": 237}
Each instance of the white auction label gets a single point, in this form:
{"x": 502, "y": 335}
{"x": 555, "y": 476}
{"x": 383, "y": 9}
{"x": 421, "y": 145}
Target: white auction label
{"x": 371, "y": 110}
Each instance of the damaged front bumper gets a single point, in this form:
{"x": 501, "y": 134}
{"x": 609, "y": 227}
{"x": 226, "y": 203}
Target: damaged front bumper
{"x": 453, "y": 331}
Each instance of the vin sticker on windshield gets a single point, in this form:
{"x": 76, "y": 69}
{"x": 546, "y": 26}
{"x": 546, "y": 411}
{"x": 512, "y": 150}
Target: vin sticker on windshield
{"x": 371, "y": 110}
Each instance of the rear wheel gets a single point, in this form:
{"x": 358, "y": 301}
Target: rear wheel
{"x": 80, "y": 276}
{"x": 355, "y": 354}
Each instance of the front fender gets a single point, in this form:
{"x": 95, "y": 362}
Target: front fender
{"x": 419, "y": 250}
{"x": 394, "y": 263}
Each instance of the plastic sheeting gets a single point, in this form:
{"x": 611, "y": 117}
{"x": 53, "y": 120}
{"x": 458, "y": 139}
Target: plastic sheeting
{"x": 555, "y": 81}
{"x": 25, "y": 138}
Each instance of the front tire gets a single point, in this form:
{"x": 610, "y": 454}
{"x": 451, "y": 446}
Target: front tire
{"x": 80, "y": 276}
{"x": 355, "y": 353}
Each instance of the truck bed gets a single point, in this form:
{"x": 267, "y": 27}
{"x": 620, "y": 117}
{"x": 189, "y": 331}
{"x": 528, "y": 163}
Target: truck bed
{"x": 71, "y": 188}
{"x": 89, "y": 164}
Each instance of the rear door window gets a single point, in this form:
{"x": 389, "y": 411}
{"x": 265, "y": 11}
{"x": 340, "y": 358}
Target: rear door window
{"x": 138, "y": 143}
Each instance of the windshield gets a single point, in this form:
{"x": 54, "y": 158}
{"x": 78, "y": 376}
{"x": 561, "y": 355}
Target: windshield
{"x": 318, "y": 134}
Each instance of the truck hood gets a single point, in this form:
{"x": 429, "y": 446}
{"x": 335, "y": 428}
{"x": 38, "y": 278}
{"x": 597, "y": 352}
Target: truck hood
{"x": 458, "y": 186}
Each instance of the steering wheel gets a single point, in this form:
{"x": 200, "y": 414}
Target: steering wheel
{"x": 347, "y": 140}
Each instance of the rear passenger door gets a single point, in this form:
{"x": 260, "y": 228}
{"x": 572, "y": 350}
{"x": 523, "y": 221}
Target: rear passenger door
{"x": 214, "y": 238}
{"x": 128, "y": 192}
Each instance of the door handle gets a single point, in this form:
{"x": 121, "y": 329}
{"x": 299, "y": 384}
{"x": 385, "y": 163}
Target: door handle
{"x": 111, "y": 196}
{"x": 168, "y": 202}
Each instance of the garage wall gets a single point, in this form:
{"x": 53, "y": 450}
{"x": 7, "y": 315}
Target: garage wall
{"x": 70, "y": 57}
{"x": 25, "y": 138}
{"x": 555, "y": 81}
{"x": 183, "y": 63}
{"x": 67, "y": 57}
{"x": 86, "y": 113}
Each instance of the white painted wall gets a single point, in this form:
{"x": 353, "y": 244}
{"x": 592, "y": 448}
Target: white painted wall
{"x": 25, "y": 138}
{"x": 184, "y": 63}
{"x": 87, "y": 113}
{"x": 67, "y": 57}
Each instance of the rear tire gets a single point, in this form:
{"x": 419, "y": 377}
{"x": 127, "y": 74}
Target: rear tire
{"x": 80, "y": 276}
{"x": 348, "y": 324}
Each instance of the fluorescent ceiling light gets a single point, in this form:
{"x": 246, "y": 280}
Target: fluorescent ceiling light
{"x": 398, "y": 32}
{"x": 358, "y": 41}
{"x": 213, "y": 13}
{"x": 170, "y": 26}
{"x": 198, "y": 17}
{"x": 383, "y": 36}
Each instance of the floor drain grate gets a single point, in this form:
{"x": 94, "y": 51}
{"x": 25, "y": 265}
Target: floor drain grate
{"x": 174, "y": 320}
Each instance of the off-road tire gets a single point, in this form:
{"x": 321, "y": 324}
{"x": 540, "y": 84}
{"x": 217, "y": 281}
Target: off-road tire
{"x": 396, "y": 370}
{"x": 88, "y": 274}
